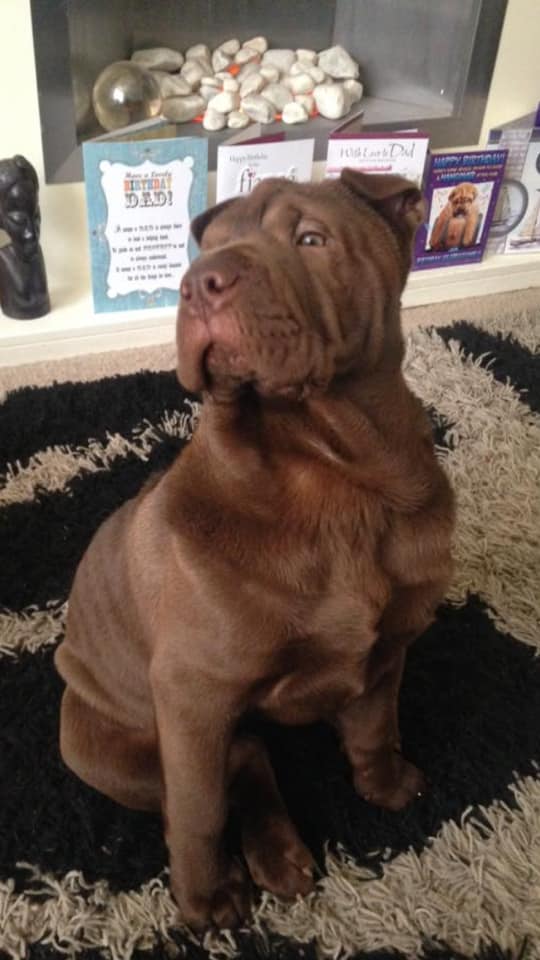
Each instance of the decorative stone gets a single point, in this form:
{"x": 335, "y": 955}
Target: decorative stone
{"x": 237, "y": 120}
{"x": 257, "y": 43}
{"x": 278, "y": 94}
{"x": 214, "y": 81}
{"x": 316, "y": 74}
{"x": 193, "y": 72}
{"x": 331, "y": 100}
{"x": 207, "y": 92}
{"x": 258, "y": 109}
{"x": 198, "y": 52}
{"x": 213, "y": 120}
{"x": 171, "y": 84}
{"x": 307, "y": 100}
{"x": 282, "y": 59}
{"x": 247, "y": 70}
{"x": 231, "y": 85}
{"x": 308, "y": 56}
{"x": 247, "y": 55}
{"x": 271, "y": 74}
{"x": 230, "y": 47}
{"x": 220, "y": 60}
{"x": 224, "y": 102}
{"x": 158, "y": 58}
{"x": 355, "y": 90}
{"x": 183, "y": 109}
{"x": 294, "y": 113}
{"x": 337, "y": 63}
{"x": 125, "y": 93}
{"x": 302, "y": 83}
{"x": 222, "y": 75}
{"x": 252, "y": 84}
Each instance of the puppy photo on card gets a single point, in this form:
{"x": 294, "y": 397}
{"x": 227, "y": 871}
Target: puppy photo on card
{"x": 458, "y": 215}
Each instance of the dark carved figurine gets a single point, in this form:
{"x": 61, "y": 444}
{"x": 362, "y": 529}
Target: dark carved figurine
{"x": 23, "y": 282}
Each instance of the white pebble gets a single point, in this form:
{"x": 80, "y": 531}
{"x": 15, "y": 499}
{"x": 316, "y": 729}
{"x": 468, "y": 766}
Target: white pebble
{"x": 282, "y": 59}
{"x": 309, "y": 56}
{"x": 213, "y": 120}
{"x": 302, "y": 83}
{"x": 332, "y": 100}
{"x": 183, "y": 109}
{"x": 270, "y": 73}
{"x": 337, "y": 63}
{"x": 207, "y": 92}
{"x": 252, "y": 84}
{"x": 247, "y": 55}
{"x": 247, "y": 70}
{"x": 257, "y": 43}
{"x": 198, "y": 52}
{"x": 158, "y": 58}
{"x": 258, "y": 109}
{"x": 220, "y": 60}
{"x": 230, "y": 47}
{"x": 278, "y": 94}
{"x": 237, "y": 120}
{"x": 294, "y": 113}
{"x": 231, "y": 85}
{"x": 317, "y": 75}
{"x": 222, "y": 75}
{"x": 193, "y": 72}
{"x": 224, "y": 102}
{"x": 212, "y": 81}
{"x": 171, "y": 84}
{"x": 355, "y": 90}
{"x": 307, "y": 100}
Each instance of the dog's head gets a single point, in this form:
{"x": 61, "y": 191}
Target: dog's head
{"x": 461, "y": 199}
{"x": 297, "y": 285}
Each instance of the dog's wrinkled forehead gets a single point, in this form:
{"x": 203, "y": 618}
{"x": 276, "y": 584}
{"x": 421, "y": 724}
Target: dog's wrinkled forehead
{"x": 275, "y": 206}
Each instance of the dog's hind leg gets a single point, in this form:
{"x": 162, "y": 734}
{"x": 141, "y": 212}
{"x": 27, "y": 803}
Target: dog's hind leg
{"x": 277, "y": 859}
{"x": 122, "y": 763}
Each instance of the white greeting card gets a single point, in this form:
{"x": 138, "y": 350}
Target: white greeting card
{"x": 241, "y": 166}
{"x": 402, "y": 152}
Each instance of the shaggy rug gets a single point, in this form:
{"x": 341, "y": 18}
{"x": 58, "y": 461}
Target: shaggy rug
{"x": 455, "y": 875}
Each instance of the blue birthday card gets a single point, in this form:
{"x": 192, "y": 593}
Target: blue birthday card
{"x": 142, "y": 196}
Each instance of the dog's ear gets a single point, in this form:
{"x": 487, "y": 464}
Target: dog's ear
{"x": 200, "y": 223}
{"x": 398, "y": 200}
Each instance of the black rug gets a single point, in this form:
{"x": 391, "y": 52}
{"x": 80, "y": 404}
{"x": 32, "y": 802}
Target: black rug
{"x": 455, "y": 875}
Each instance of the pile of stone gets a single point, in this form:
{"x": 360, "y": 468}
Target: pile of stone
{"x": 239, "y": 83}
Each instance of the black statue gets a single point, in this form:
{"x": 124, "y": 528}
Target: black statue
{"x": 23, "y": 281}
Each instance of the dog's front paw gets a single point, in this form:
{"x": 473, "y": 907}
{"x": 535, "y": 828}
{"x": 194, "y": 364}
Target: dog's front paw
{"x": 278, "y": 861}
{"x": 226, "y": 907}
{"x": 390, "y": 781}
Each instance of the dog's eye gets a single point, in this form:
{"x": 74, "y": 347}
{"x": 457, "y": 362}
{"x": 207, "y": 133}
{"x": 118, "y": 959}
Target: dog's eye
{"x": 311, "y": 239}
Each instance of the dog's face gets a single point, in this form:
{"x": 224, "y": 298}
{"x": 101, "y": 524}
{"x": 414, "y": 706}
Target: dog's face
{"x": 462, "y": 198}
{"x": 296, "y": 285}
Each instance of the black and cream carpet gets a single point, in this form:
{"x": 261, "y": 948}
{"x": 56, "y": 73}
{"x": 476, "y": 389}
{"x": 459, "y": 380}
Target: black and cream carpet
{"x": 457, "y": 875}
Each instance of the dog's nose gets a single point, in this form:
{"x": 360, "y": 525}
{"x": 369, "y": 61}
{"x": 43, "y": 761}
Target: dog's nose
{"x": 210, "y": 285}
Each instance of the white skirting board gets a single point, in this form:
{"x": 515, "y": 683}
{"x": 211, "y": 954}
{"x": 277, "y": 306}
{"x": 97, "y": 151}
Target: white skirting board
{"x": 72, "y": 328}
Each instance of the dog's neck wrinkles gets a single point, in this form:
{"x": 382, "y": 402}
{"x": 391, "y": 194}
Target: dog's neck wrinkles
{"x": 347, "y": 430}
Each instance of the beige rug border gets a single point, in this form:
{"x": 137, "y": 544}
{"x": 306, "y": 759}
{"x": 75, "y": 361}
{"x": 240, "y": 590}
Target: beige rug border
{"x": 93, "y": 366}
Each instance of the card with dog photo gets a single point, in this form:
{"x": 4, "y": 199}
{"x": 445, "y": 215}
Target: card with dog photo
{"x": 461, "y": 191}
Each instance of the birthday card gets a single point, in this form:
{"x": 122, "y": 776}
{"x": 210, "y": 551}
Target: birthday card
{"x": 141, "y": 197}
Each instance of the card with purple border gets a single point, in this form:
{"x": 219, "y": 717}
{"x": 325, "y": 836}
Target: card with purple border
{"x": 461, "y": 190}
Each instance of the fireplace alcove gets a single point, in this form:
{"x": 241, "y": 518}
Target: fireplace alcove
{"x": 423, "y": 64}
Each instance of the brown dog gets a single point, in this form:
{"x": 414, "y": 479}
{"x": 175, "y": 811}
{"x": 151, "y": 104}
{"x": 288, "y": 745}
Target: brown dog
{"x": 457, "y": 223}
{"x": 285, "y": 560}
